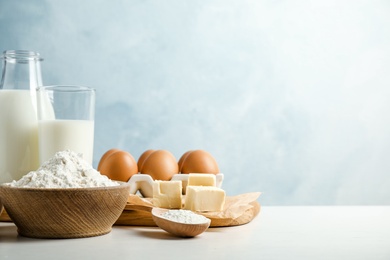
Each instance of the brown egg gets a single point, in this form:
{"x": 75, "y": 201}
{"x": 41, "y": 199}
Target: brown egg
{"x": 107, "y": 154}
{"x": 160, "y": 165}
{"x": 118, "y": 165}
{"x": 182, "y": 158}
{"x": 142, "y": 158}
{"x": 198, "y": 161}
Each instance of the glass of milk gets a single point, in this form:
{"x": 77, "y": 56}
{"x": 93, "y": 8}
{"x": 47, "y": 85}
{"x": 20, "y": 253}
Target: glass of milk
{"x": 65, "y": 120}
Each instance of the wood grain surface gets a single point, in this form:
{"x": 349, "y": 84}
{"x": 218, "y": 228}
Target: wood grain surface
{"x": 132, "y": 216}
{"x": 64, "y": 213}
{"x": 139, "y": 215}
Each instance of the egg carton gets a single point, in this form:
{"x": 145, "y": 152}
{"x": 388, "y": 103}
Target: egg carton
{"x": 144, "y": 183}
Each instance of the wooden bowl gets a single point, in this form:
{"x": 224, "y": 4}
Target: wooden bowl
{"x": 64, "y": 212}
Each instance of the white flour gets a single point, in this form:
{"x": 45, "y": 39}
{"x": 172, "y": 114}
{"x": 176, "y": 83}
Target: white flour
{"x": 65, "y": 170}
{"x": 184, "y": 216}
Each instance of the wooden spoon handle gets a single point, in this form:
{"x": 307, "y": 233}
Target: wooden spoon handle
{"x": 139, "y": 207}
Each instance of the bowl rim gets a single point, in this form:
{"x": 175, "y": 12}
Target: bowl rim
{"x": 121, "y": 185}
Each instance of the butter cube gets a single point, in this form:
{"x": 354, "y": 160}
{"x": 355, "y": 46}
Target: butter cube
{"x": 204, "y": 198}
{"x": 167, "y": 194}
{"x": 201, "y": 179}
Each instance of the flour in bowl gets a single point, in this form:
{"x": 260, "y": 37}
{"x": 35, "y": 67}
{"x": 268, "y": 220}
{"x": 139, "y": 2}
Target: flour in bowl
{"x": 66, "y": 169}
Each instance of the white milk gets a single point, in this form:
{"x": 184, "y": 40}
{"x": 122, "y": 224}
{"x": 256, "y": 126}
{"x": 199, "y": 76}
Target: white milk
{"x": 59, "y": 135}
{"x": 18, "y": 135}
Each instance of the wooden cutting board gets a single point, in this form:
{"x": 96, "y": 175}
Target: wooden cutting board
{"x": 4, "y": 216}
{"x": 238, "y": 210}
{"x": 131, "y": 216}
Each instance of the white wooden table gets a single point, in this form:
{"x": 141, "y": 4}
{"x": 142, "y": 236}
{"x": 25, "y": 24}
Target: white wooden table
{"x": 304, "y": 232}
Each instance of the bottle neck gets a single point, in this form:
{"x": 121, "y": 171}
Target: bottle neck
{"x": 21, "y": 70}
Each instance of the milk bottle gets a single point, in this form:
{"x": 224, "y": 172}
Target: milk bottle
{"x": 18, "y": 118}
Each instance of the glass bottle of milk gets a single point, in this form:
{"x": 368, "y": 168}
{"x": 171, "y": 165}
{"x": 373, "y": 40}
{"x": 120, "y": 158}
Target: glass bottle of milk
{"x": 18, "y": 118}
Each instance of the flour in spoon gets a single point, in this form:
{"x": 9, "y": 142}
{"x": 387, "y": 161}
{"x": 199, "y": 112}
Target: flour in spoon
{"x": 184, "y": 216}
{"x": 66, "y": 169}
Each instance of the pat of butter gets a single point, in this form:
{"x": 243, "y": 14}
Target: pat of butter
{"x": 201, "y": 179}
{"x": 204, "y": 198}
{"x": 167, "y": 194}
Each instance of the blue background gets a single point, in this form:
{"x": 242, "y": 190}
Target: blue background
{"x": 291, "y": 97}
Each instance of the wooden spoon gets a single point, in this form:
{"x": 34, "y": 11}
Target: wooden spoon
{"x": 177, "y": 228}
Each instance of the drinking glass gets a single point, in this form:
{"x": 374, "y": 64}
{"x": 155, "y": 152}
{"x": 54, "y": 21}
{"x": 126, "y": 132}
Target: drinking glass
{"x": 66, "y": 120}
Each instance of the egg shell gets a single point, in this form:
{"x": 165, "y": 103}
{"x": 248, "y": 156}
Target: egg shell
{"x": 160, "y": 165}
{"x": 105, "y": 155}
{"x": 199, "y": 161}
{"x": 118, "y": 165}
{"x": 182, "y": 159}
{"x": 142, "y": 158}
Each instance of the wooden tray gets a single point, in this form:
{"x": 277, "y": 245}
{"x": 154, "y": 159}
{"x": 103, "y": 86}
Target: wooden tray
{"x": 133, "y": 217}
{"x": 238, "y": 210}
